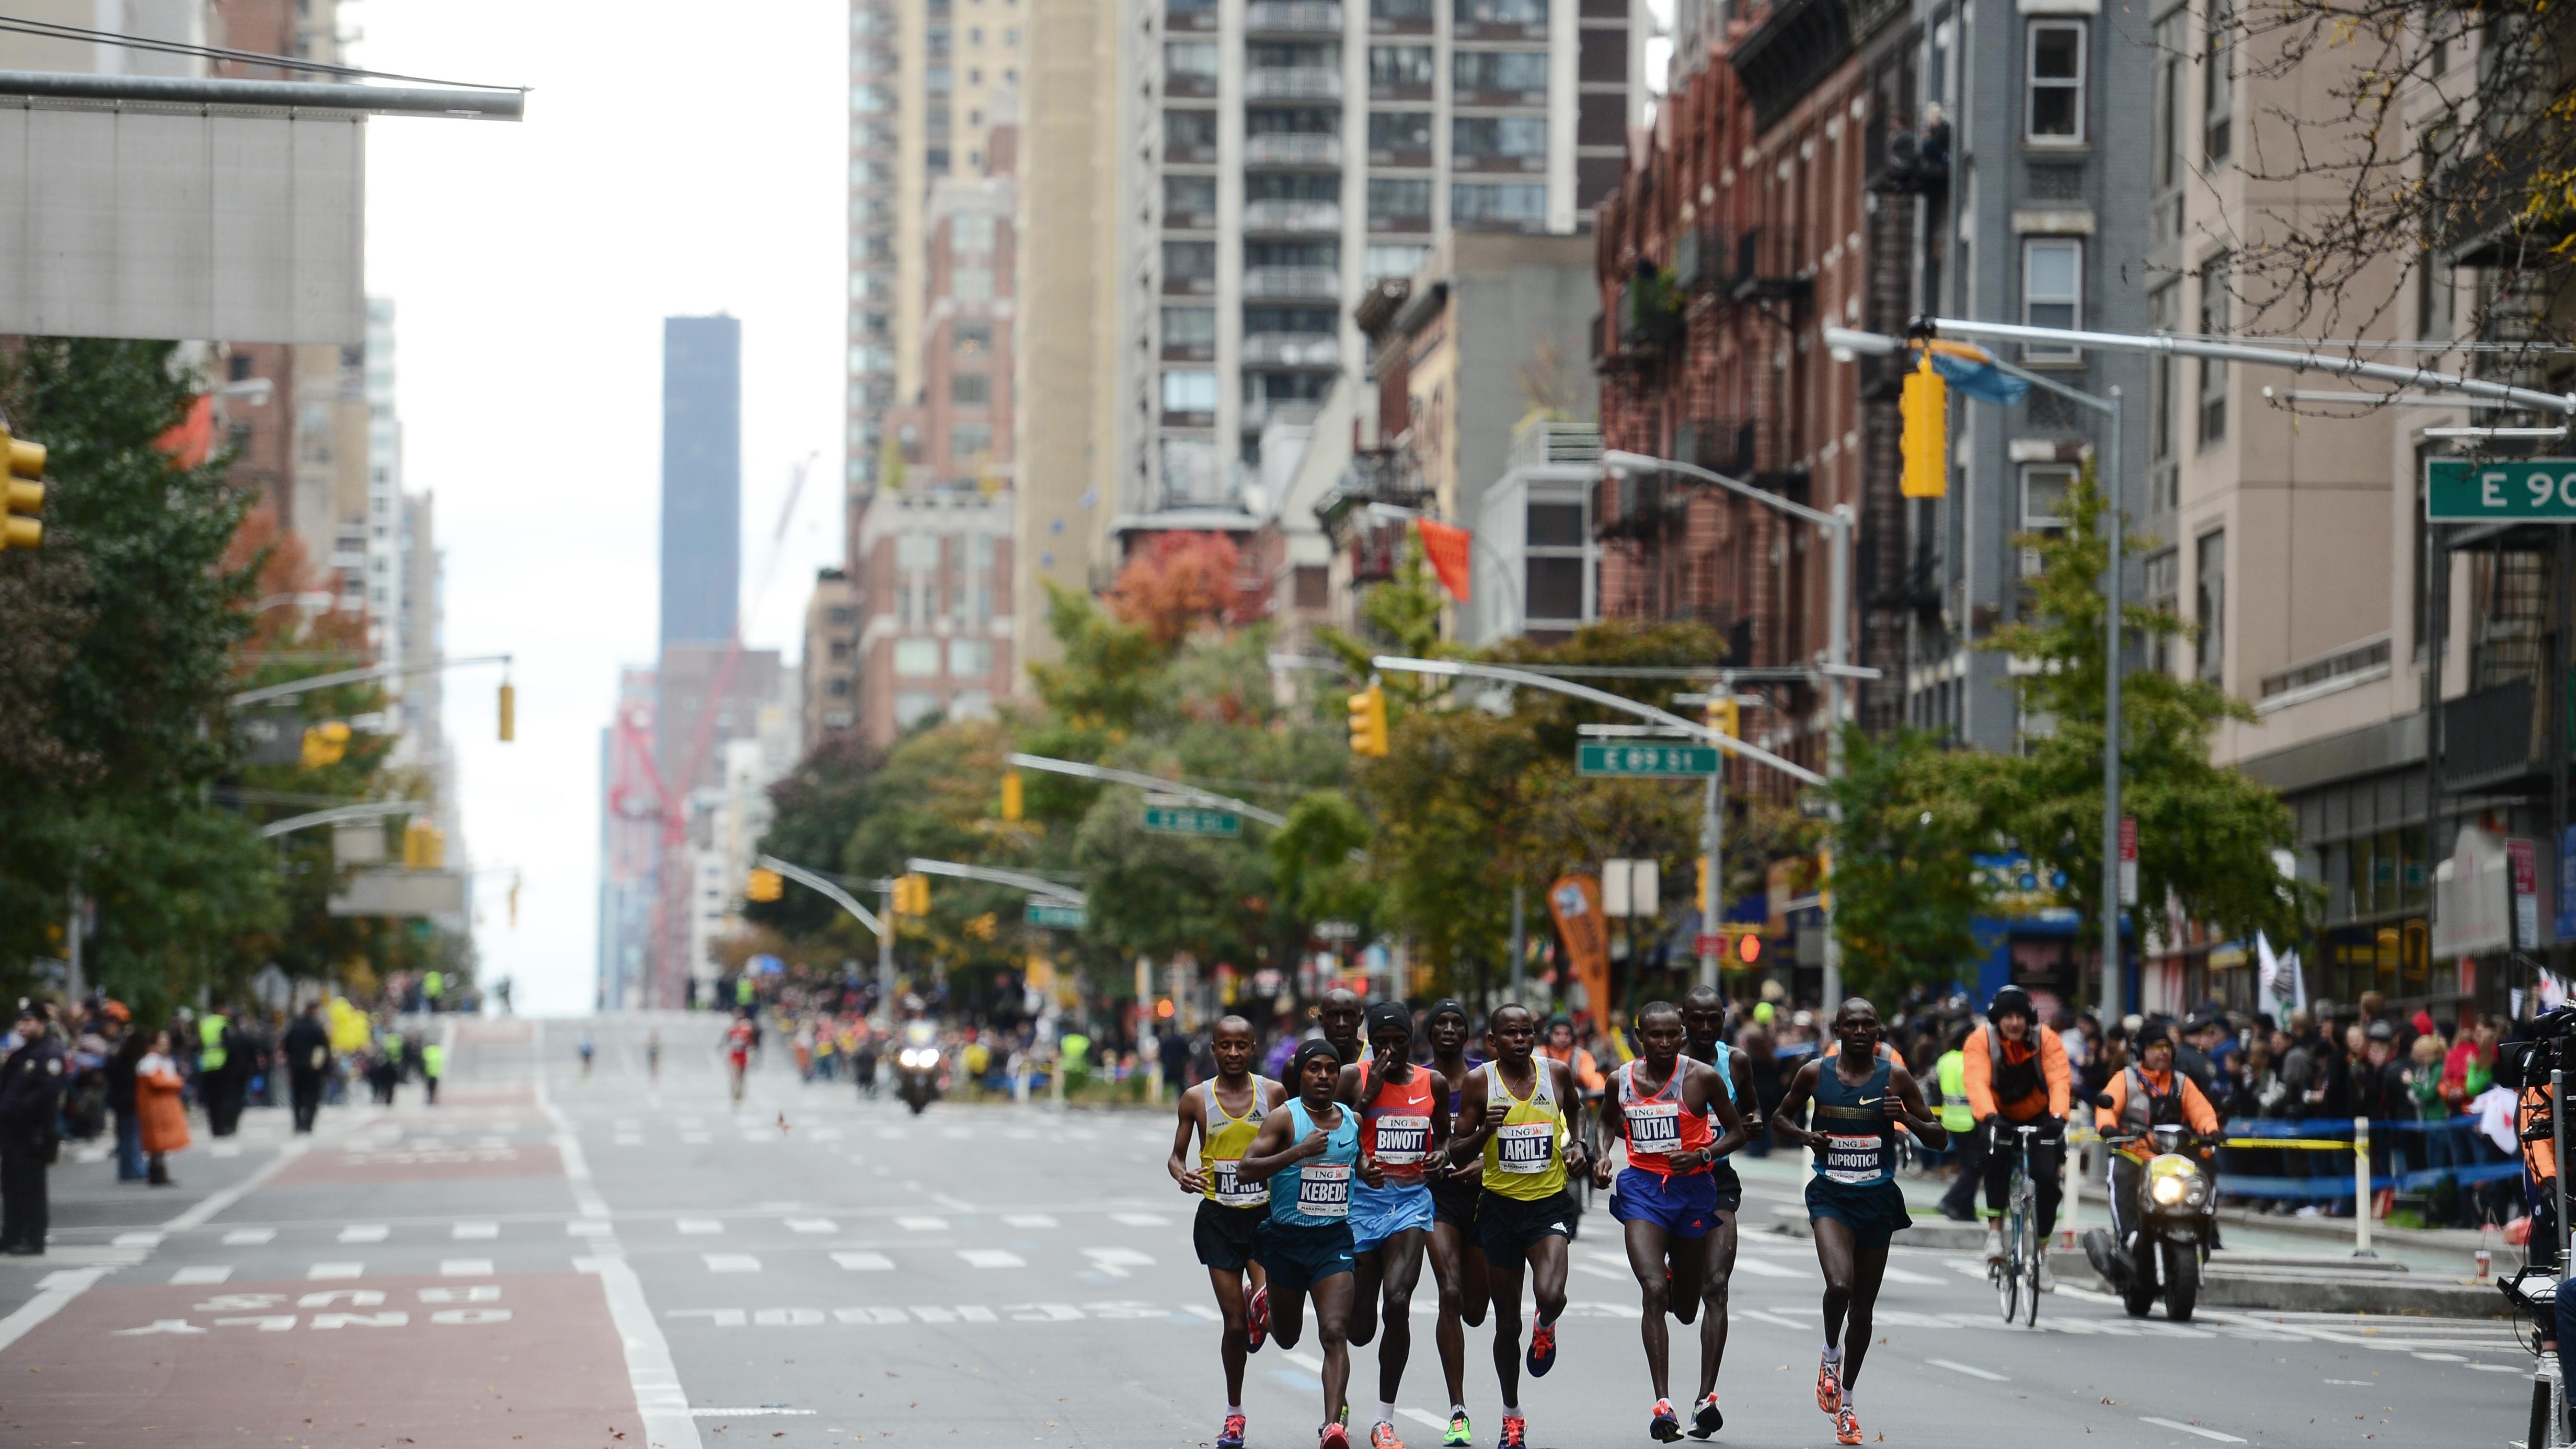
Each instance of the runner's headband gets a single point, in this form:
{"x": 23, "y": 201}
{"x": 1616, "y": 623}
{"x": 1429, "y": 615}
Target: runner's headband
{"x": 1307, "y": 1052}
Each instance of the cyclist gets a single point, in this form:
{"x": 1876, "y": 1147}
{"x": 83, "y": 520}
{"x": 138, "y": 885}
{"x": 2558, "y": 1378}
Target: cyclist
{"x": 1861, "y": 1099}
{"x": 1457, "y": 1258}
{"x": 1527, "y": 1121}
{"x": 1704, "y": 1027}
{"x": 1404, "y": 1120}
{"x": 1659, "y": 1106}
{"x": 1308, "y": 1152}
{"x": 1226, "y": 1113}
{"x": 2015, "y": 1075}
{"x": 2149, "y": 1093}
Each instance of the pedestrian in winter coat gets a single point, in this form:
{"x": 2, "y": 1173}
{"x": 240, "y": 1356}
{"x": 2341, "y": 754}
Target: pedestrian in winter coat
{"x": 121, "y": 1100}
{"x": 31, "y": 1103}
{"x": 162, "y": 1094}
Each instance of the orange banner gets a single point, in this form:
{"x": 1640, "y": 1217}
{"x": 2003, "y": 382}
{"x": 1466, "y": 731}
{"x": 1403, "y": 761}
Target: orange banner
{"x": 1446, "y": 544}
{"x": 1575, "y": 902}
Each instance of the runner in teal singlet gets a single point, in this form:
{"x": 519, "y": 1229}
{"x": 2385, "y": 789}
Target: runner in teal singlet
{"x": 1861, "y": 1098}
{"x": 1309, "y": 1152}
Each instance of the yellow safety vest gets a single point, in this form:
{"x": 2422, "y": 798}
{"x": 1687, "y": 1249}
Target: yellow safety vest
{"x": 1955, "y": 1115}
{"x": 210, "y": 1037}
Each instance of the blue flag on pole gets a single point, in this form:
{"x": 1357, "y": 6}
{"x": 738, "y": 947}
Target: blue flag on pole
{"x": 1980, "y": 379}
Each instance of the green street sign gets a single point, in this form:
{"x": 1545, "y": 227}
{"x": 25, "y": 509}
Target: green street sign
{"x": 2540, "y": 490}
{"x": 1192, "y": 820}
{"x": 1657, "y": 761}
{"x": 1071, "y": 918}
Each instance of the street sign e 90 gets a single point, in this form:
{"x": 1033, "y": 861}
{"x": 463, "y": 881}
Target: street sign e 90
{"x": 2541, "y": 490}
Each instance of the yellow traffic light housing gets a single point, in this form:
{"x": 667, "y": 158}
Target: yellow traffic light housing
{"x": 1368, "y": 722}
{"x": 1014, "y": 804}
{"x": 24, "y": 496}
{"x": 325, "y": 744}
{"x": 1925, "y": 411}
{"x": 509, "y": 712}
{"x": 1726, "y": 716}
{"x": 424, "y": 846}
{"x": 912, "y": 895}
{"x": 765, "y": 885}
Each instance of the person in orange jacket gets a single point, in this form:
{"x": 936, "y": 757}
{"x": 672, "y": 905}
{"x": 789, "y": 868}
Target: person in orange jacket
{"x": 2015, "y": 1075}
{"x": 2149, "y": 1093}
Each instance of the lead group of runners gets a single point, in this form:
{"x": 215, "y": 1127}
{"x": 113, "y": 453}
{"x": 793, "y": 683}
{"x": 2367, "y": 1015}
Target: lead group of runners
{"x": 1328, "y": 1189}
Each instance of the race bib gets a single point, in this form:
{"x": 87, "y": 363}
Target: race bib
{"x": 1854, "y": 1159}
{"x": 1403, "y": 1141}
{"x": 1228, "y": 1187}
{"x": 1526, "y": 1146}
{"x": 1324, "y": 1190}
{"x": 1654, "y": 1128}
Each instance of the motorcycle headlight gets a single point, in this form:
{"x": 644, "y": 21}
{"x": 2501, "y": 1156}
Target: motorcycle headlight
{"x": 2167, "y": 1190}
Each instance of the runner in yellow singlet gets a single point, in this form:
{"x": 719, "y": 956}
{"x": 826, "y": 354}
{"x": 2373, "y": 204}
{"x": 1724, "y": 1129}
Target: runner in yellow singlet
{"x": 1226, "y": 1115}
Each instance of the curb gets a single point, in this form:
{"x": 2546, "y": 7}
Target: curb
{"x": 2377, "y": 1293}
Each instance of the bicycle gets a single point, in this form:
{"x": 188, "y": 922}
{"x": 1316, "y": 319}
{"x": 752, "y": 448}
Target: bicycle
{"x": 2017, "y": 1271}
{"x": 2533, "y": 1292}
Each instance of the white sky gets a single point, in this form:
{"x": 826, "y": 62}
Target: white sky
{"x": 676, "y": 158}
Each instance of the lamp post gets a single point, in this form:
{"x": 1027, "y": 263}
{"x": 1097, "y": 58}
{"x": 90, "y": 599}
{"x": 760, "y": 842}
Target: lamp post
{"x": 1837, "y": 528}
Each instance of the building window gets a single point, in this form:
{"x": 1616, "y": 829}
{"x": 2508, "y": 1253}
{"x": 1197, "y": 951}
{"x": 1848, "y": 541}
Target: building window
{"x": 1399, "y": 130}
{"x": 1189, "y": 392}
{"x": 969, "y": 441}
{"x": 2213, "y": 371}
{"x": 1189, "y": 130}
{"x": 2209, "y": 604}
{"x": 1188, "y": 196}
{"x": 2165, "y": 103}
{"x": 938, "y": 79}
{"x": 970, "y": 233}
{"x": 1554, "y": 565}
{"x": 970, "y": 339}
{"x": 2218, "y": 82}
{"x": 1499, "y": 12}
{"x": 1188, "y": 261}
{"x": 1393, "y": 200}
{"x": 1400, "y": 10}
{"x": 1291, "y": 186}
{"x": 2164, "y": 588}
{"x": 1394, "y": 259}
{"x": 2164, "y": 306}
{"x": 913, "y": 706}
{"x": 1521, "y": 204}
{"x": 1499, "y": 70}
{"x": 969, "y": 658}
{"x": 2056, "y": 79}
{"x": 1193, "y": 60}
{"x": 970, "y": 389}
{"x": 1189, "y": 327}
{"x": 1400, "y": 65}
{"x": 1498, "y": 136}
{"x": 916, "y": 658}
{"x": 971, "y": 286}
{"x": 916, "y": 551}
{"x": 2043, "y": 496}
{"x": 2052, "y": 291}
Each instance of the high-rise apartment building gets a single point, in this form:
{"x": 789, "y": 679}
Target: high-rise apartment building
{"x": 1285, "y": 154}
{"x": 933, "y": 592}
{"x": 960, "y": 433}
{"x": 701, "y": 478}
{"x": 829, "y": 679}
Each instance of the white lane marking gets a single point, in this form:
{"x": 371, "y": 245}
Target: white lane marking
{"x": 365, "y": 1233}
{"x": 1971, "y": 1370}
{"x": 1598, "y": 1271}
{"x": 465, "y": 1268}
{"x": 2190, "y": 1429}
{"x": 223, "y": 1149}
{"x": 1766, "y": 1316}
{"x": 659, "y": 1399}
{"x": 701, "y": 1227}
{"x": 922, "y": 1225}
{"x": 812, "y": 1225}
{"x": 224, "y": 1197}
{"x": 249, "y": 1237}
{"x": 1764, "y": 1267}
{"x": 731, "y": 1262}
{"x": 992, "y": 1258}
{"x": 588, "y": 1228}
{"x": 203, "y": 1273}
{"x": 52, "y": 1292}
{"x": 864, "y": 1262}
{"x": 764, "y": 1411}
{"x": 576, "y": 1167}
{"x": 1311, "y": 1364}
{"x": 1900, "y": 1275}
{"x": 953, "y": 1204}
{"x": 2496, "y": 1368}
{"x": 2443, "y": 1357}
{"x": 1028, "y": 1220}
{"x": 335, "y": 1270}
{"x": 1116, "y": 1261}
{"x": 1141, "y": 1220}
{"x": 136, "y": 1240}
{"x": 465, "y": 1231}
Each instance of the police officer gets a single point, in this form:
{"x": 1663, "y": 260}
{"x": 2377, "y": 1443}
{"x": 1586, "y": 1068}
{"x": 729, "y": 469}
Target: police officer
{"x": 433, "y": 1065}
{"x": 31, "y": 1093}
{"x": 307, "y": 1049}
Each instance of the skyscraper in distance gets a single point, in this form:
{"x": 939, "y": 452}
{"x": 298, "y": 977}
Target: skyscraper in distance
{"x": 701, "y": 478}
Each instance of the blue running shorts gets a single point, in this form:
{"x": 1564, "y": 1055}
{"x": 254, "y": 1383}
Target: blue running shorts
{"x": 1684, "y": 1206}
{"x": 1379, "y": 1213}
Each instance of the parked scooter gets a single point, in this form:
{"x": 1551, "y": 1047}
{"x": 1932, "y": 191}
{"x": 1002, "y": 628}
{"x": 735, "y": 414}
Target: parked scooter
{"x": 921, "y": 1072}
{"x": 2173, "y": 1226}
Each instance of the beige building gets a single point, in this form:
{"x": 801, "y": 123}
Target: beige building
{"x": 830, "y": 683}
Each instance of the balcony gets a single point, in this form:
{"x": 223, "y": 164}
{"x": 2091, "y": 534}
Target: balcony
{"x": 1768, "y": 266}
{"x": 1292, "y": 17}
{"x": 1399, "y": 225}
{"x": 1400, "y": 158}
{"x": 1300, "y": 217}
{"x": 1292, "y": 349}
{"x": 1650, "y": 312}
{"x": 1721, "y": 445}
{"x": 1297, "y": 283}
{"x": 1484, "y": 163}
{"x": 1189, "y": 17}
{"x": 1174, "y": 286}
{"x": 1292, "y": 148}
{"x": 1189, "y": 221}
{"x": 1293, "y": 83}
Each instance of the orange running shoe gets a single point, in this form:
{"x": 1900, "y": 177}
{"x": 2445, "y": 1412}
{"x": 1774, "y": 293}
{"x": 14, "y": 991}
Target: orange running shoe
{"x": 1383, "y": 1437}
{"x": 1846, "y": 1427}
{"x": 1515, "y": 1433}
{"x": 1829, "y": 1386}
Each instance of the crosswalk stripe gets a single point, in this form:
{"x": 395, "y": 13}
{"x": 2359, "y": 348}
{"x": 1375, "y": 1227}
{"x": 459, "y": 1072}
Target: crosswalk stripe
{"x": 249, "y": 1237}
{"x": 365, "y": 1233}
{"x": 465, "y": 1268}
{"x": 1765, "y": 1268}
{"x": 335, "y": 1270}
{"x": 1028, "y": 1220}
{"x": 731, "y": 1262}
{"x": 922, "y": 1225}
{"x": 464, "y": 1231}
{"x": 992, "y": 1258}
{"x": 137, "y": 1240}
{"x": 588, "y": 1228}
{"x": 812, "y": 1225}
{"x": 701, "y": 1227}
{"x": 1141, "y": 1220}
{"x": 864, "y": 1262}
{"x": 203, "y": 1273}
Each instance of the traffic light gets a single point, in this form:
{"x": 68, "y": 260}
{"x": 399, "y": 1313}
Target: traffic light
{"x": 912, "y": 895}
{"x": 765, "y": 885}
{"x": 424, "y": 846}
{"x": 1925, "y": 412}
{"x": 1724, "y": 715}
{"x": 509, "y": 713}
{"x": 1368, "y": 722}
{"x": 1013, "y": 803}
{"x": 514, "y": 903}
{"x": 325, "y": 744}
{"x": 25, "y": 498}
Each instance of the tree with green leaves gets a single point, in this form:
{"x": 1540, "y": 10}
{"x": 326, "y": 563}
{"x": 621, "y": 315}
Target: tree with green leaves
{"x": 1906, "y": 888}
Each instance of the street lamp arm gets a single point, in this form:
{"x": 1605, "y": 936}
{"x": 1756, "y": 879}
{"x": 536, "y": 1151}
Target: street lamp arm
{"x": 1638, "y": 462}
{"x": 1271, "y": 818}
{"x": 340, "y": 815}
{"x": 1729, "y": 743}
{"x": 295, "y": 687}
{"x": 835, "y": 894}
{"x": 1018, "y": 880}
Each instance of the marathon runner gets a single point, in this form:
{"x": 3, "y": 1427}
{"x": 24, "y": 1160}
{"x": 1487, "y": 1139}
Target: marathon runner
{"x": 1660, "y": 1105}
{"x": 1704, "y": 1030}
{"x": 1528, "y": 1123}
{"x": 1226, "y": 1114}
{"x": 1308, "y": 1153}
{"x": 1457, "y": 1259}
{"x": 1404, "y": 1119}
{"x": 1340, "y": 1016}
{"x": 738, "y": 1040}
{"x": 1861, "y": 1099}
{"x": 653, "y": 1055}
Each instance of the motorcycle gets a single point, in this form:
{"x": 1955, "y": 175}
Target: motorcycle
{"x": 920, "y": 1072}
{"x": 2176, "y": 1218}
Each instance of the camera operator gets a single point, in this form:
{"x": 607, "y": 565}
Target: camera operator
{"x": 2524, "y": 1061}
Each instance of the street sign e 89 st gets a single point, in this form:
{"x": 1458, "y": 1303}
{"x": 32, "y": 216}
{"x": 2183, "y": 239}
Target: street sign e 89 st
{"x": 2533, "y": 490}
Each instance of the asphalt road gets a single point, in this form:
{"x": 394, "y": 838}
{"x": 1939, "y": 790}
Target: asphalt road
{"x": 552, "y": 1259}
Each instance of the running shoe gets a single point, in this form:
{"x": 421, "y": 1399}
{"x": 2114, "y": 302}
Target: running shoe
{"x": 1383, "y": 1437}
{"x": 1256, "y": 1320}
{"x": 1846, "y": 1427}
{"x": 1666, "y": 1425}
{"x": 1829, "y": 1386}
{"x": 1542, "y": 1350}
{"x": 1231, "y": 1436}
{"x": 1334, "y": 1436}
{"x": 1706, "y": 1420}
{"x": 1515, "y": 1433}
{"x": 1460, "y": 1434}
